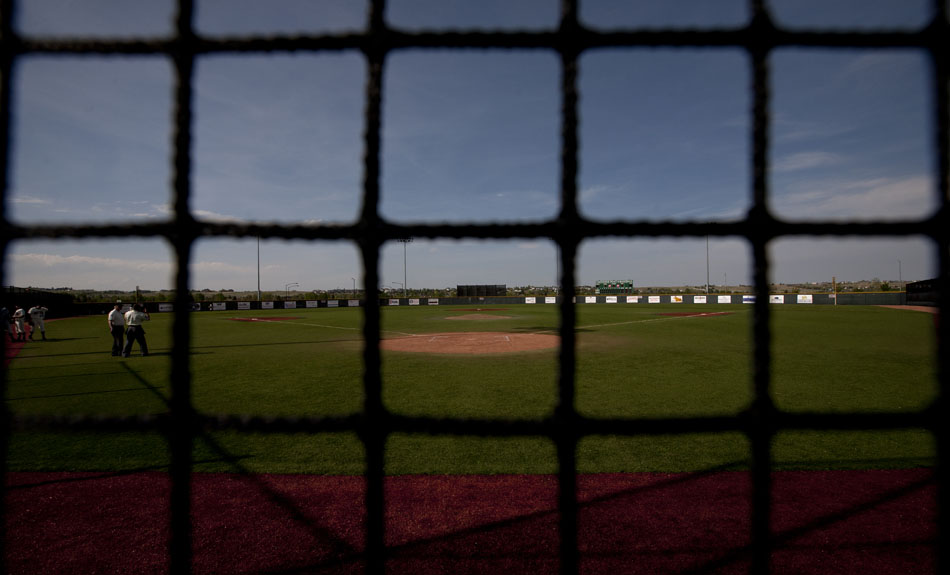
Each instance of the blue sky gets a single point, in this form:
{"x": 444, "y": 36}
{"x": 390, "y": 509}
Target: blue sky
{"x": 468, "y": 136}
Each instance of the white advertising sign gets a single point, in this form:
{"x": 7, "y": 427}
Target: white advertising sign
{"x": 550, "y": 299}
{"x": 725, "y": 299}
{"x": 676, "y": 299}
{"x": 530, "y": 300}
{"x": 312, "y": 303}
{"x": 394, "y": 302}
{"x": 413, "y": 301}
{"x": 290, "y": 305}
{"x": 433, "y": 301}
{"x": 333, "y": 303}
{"x": 244, "y": 305}
{"x": 219, "y": 306}
{"x": 611, "y": 299}
{"x": 590, "y": 299}
{"x": 267, "y": 305}
{"x": 353, "y": 303}
{"x": 633, "y": 299}
{"x": 699, "y": 299}
{"x": 653, "y": 299}
{"x": 748, "y": 299}
{"x": 805, "y": 299}
{"x": 165, "y": 307}
{"x": 776, "y": 299}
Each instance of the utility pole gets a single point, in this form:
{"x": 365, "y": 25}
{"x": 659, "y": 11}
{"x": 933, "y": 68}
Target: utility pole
{"x": 707, "y": 264}
{"x": 405, "y": 273}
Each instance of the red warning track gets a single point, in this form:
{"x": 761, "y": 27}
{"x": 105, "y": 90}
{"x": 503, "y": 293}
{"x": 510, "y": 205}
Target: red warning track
{"x": 824, "y": 522}
{"x": 695, "y": 313}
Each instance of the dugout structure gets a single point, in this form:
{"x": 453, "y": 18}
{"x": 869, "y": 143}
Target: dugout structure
{"x": 756, "y": 39}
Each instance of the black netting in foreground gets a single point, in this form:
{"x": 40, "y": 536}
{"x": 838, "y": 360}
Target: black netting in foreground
{"x": 760, "y": 422}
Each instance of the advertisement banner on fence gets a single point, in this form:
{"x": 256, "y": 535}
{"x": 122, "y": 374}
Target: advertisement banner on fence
{"x": 267, "y": 305}
{"x": 611, "y": 299}
{"x": 676, "y": 299}
{"x": 590, "y": 299}
{"x": 748, "y": 299}
{"x": 725, "y": 299}
{"x": 530, "y": 300}
{"x": 166, "y": 307}
{"x": 394, "y": 302}
{"x": 805, "y": 299}
{"x": 433, "y": 301}
{"x": 244, "y": 305}
{"x": 353, "y": 303}
{"x": 633, "y": 299}
{"x": 550, "y": 299}
{"x": 333, "y": 303}
{"x": 413, "y": 301}
{"x": 290, "y": 305}
{"x": 219, "y": 306}
{"x": 699, "y": 299}
{"x": 654, "y": 299}
{"x": 776, "y": 299}
{"x": 312, "y": 303}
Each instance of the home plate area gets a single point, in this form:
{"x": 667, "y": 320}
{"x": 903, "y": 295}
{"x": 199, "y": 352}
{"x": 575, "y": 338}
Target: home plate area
{"x": 472, "y": 342}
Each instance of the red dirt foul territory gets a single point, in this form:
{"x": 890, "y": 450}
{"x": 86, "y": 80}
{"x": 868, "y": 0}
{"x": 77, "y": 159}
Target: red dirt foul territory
{"x": 471, "y": 342}
{"x": 825, "y": 522}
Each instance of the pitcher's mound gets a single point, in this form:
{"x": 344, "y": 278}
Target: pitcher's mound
{"x": 471, "y": 342}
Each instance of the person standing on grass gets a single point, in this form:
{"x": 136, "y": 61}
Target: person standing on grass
{"x": 37, "y": 315}
{"x": 7, "y": 324}
{"x": 19, "y": 321}
{"x": 117, "y": 329}
{"x": 134, "y": 330}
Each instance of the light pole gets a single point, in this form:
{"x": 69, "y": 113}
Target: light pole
{"x": 405, "y": 274}
{"x": 707, "y": 264}
{"x": 258, "y": 268}
{"x": 287, "y": 289}
{"x": 354, "y": 287}
{"x": 900, "y": 282}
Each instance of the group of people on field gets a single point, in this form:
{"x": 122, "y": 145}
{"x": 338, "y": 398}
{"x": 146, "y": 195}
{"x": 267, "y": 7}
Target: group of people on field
{"x": 23, "y": 324}
{"x": 128, "y": 326}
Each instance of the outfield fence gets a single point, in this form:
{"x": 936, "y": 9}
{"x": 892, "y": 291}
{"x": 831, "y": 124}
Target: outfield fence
{"x": 566, "y": 427}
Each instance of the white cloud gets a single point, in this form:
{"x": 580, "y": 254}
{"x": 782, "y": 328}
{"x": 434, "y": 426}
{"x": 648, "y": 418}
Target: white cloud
{"x": 30, "y": 200}
{"x": 805, "y": 161}
{"x": 883, "y": 198}
{"x": 53, "y": 260}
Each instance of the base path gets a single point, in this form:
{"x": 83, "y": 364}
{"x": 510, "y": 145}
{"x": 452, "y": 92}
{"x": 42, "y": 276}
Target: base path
{"x": 825, "y": 522}
{"x": 478, "y": 342}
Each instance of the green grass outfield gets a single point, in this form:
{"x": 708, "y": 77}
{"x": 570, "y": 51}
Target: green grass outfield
{"x": 632, "y": 362}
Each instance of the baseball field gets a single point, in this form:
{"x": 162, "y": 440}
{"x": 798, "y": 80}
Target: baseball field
{"x": 450, "y": 494}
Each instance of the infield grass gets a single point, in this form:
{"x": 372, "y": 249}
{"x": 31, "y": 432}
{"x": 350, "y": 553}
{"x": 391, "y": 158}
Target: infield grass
{"x": 632, "y": 361}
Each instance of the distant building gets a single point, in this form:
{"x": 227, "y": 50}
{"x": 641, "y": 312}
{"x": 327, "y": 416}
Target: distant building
{"x": 482, "y": 290}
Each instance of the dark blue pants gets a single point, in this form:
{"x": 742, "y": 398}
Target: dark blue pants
{"x": 118, "y": 335}
{"x": 134, "y": 333}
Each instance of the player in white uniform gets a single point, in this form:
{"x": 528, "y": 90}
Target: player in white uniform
{"x": 38, "y": 316}
{"x": 19, "y": 322}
